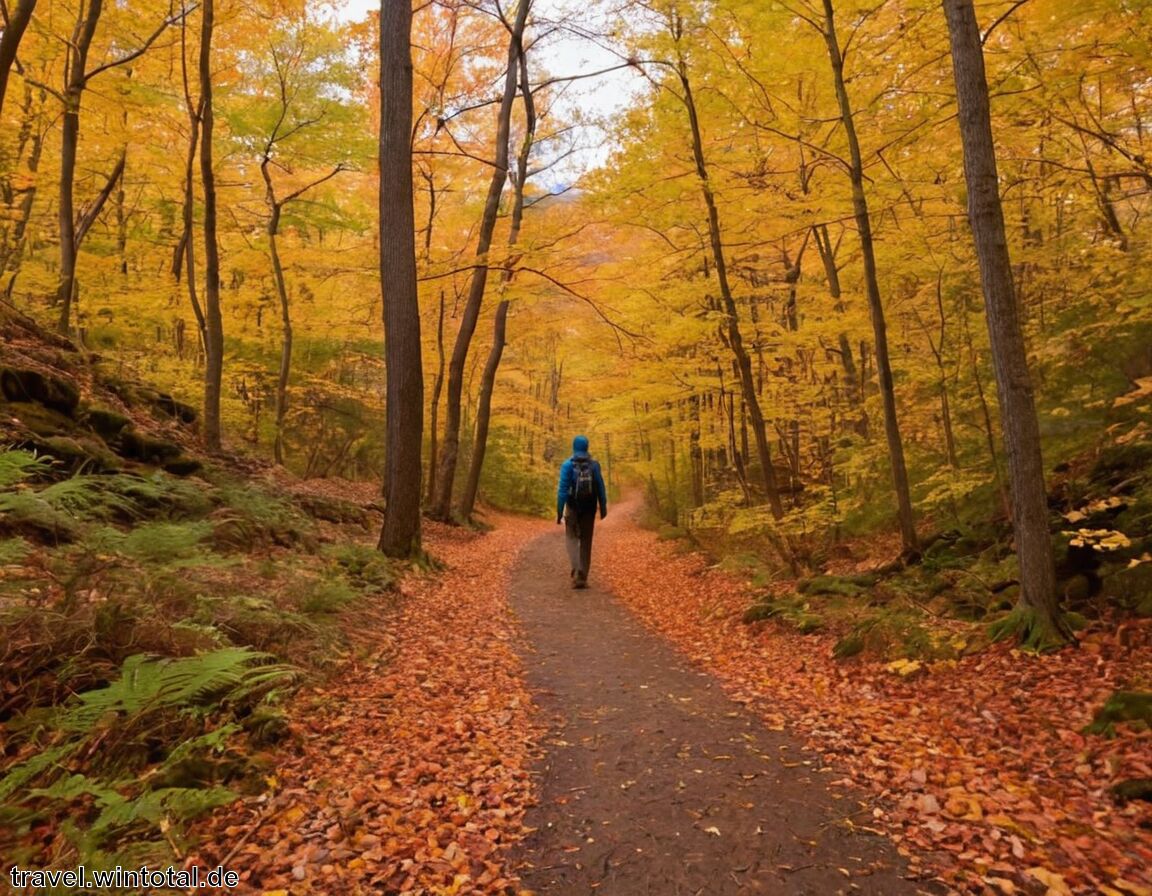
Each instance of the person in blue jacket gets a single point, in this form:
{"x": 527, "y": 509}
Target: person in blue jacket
{"x": 580, "y": 492}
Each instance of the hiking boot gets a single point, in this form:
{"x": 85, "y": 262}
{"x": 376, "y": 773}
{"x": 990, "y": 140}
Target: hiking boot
{"x": 580, "y": 581}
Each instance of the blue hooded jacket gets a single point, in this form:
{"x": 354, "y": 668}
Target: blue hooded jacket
{"x": 568, "y": 480}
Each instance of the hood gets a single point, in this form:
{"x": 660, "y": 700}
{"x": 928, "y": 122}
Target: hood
{"x": 580, "y": 445}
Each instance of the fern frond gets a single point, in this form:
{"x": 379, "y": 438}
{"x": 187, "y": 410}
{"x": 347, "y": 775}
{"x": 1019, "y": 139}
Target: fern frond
{"x": 23, "y": 774}
{"x": 17, "y": 466}
{"x": 84, "y": 496}
{"x": 148, "y": 683}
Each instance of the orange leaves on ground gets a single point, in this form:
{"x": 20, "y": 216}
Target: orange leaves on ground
{"x": 979, "y": 766}
{"x": 411, "y": 773}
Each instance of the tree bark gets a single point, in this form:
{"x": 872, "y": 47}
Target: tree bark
{"x": 75, "y": 82}
{"x": 484, "y": 413}
{"x": 400, "y": 535}
{"x": 285, "y": 314}
{"x": 437, "y": 388}
{"x": 872, "y": 289}
{"x": 14, "y": 30}
{"x": 499, "y": 336}
{"x": 732, "y": 316}
{"x": 450, "y": 448}
{"x": 1009, "y": 356}
{"x": 213, "y": 321}
{"x": 185, "y": 253}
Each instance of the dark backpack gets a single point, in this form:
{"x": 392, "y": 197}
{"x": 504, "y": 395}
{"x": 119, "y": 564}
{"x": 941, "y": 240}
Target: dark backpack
{"x": 583, "y": 489}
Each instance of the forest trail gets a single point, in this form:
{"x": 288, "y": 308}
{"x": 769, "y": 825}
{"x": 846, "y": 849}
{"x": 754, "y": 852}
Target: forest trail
{"x": 497, "y": 732}
{"x": 653, "y": 780}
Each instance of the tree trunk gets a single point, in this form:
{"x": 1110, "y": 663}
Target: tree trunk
{"x": 484, "y": 413}
{"x": 82, "y": 34}
{"x": 872, "y": 288}
{"x": 213, "y": 321}
{"x": 1044, "y": 624}
{"x": 400, "y": 535}
{"x": 450, "y": 449}
{"x": 437, "y": 388}
{"x": 488, "y": 380}
{"x": 732, "y": 322}
{"x": 285, "y": 317}
{"x": 10, "y": 40}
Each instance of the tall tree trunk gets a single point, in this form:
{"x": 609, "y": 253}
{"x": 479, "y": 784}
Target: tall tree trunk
{"x": 872, "y": 288}
{"x": 184, "y": 255}
{"x": 484, "y": 413}
{"x": 1043, "y": 624}
{"x": 400, "y": 535}
{"x": 488, "y": 379}
{"x": 827, "y": 250}
{"x": 437, "y": 388}
{"x": 213, "y": 321}
{"x": 438, "y": 381}
{"x": 732, "y": 316}
{"x": 75, "y": 82}
{"x": 450, "y": 449}
{"x": 285, "y": 317}
{"x": 14, "y": 28}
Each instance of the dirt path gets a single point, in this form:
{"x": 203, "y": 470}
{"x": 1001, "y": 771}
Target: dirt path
{"x": 654, "y": 781}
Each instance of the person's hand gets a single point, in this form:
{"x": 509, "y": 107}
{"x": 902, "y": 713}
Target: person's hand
{"x": 603, "y": 513}
{"x": 558, "y": 520}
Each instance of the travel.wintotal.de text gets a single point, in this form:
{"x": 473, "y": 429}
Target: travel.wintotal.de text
{"x": 129, "y": 878}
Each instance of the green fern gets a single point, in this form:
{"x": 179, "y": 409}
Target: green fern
{"x": 18, "y": 466}
{"x": 146, "y": 684}
{"x": 26, "y": 510}
{"x": 160, "y": 542}
{"x": 42, "y": 764}
{"x": 161, "y": 495}
{"x": 85, "y": 497}
{"x": 13, "y": 551}
{"x": 121, "y": 813}
{"x": 118, "y": 813}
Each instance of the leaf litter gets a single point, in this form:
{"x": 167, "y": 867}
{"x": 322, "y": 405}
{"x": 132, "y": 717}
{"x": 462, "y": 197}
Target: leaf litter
{"x": 410, "y": 774}
{"x": 409, "y": 771}
{"x": 980, "y": 769}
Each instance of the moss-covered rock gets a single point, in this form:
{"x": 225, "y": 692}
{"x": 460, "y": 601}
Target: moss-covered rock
{"x": 759, "y": 613}
{"x": 1129, "y": 707}
{"x": 105, "y": 423}
{"x": 183, "y": 466}
{"x": 90, "y": 455}
{"x": 1131, "y": 588}
{"x": 25, "y": 385}
{"x": 1119, "y": 464}
{"x": 1136, "y": 789}
{"x": 39, "y": 420}
{"x": 169, "y": 406}
{"x": 150, "y": 450}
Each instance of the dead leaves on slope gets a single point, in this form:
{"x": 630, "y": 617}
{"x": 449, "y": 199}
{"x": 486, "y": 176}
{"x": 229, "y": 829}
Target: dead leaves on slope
{"x": 412, "y": 774}
{"x": 980, "y": 770}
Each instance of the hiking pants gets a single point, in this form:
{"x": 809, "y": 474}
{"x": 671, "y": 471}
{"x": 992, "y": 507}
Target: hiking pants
{"x": 578, "y": 528}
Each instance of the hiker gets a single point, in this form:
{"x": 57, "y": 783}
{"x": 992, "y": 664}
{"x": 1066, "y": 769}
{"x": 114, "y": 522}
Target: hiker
{"x": 580, "y": 490}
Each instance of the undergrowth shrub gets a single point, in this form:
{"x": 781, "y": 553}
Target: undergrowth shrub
{"x": 362, "y": 565}
{"x": 82, "y": 760}
{"x": 251, "y": 518}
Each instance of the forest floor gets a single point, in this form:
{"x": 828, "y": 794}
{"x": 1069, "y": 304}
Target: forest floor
{"x": 501, "y": 733}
